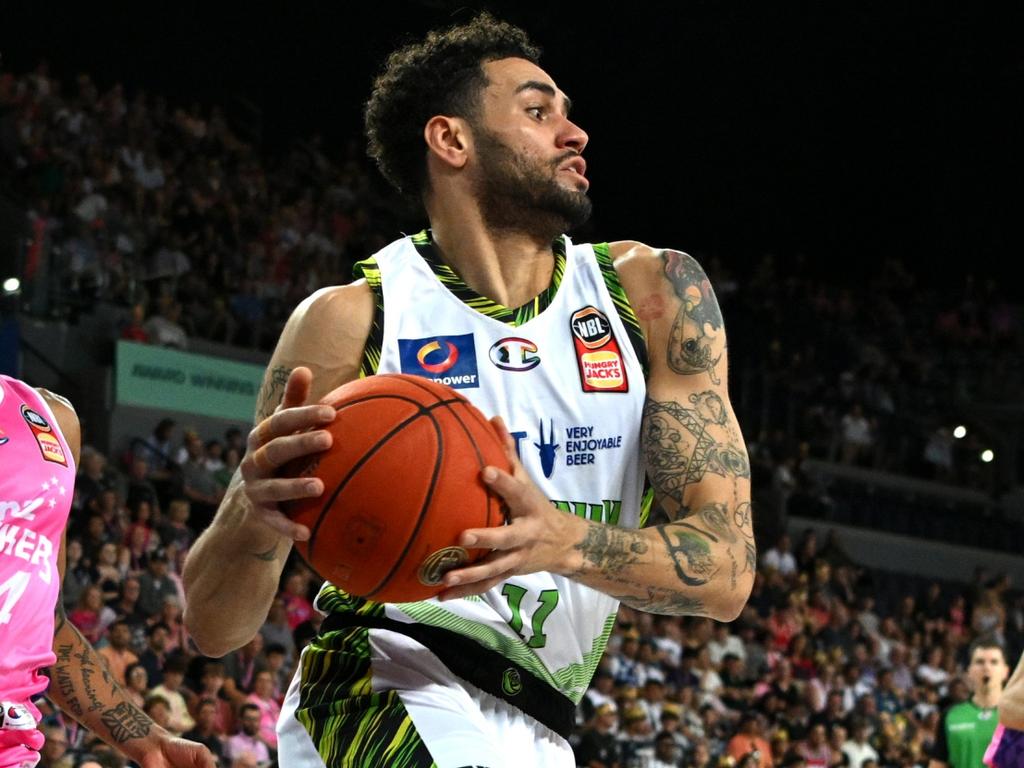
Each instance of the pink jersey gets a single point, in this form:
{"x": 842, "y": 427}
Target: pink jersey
{"x": 37, "y": 478}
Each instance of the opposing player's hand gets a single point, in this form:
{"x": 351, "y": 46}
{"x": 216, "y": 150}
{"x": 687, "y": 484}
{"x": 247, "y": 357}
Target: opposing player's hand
{"x": 177, "y": 753}
{"x": 291, "y": 432}
{"x": 538, "y": 537}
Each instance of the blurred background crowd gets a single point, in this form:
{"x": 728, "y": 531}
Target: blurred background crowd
{"x": 179, "y": 222}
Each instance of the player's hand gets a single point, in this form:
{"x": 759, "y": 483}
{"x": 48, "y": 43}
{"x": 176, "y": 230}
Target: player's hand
{"x": 291, "y": 432}
{"x": 172, "y": 752}
{"x": 538, "y": 537}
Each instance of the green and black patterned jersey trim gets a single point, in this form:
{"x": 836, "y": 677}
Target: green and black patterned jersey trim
{"x": 370, "y": 271}
{"x": 351, "y": 726}
{"x": 611, "y": 280}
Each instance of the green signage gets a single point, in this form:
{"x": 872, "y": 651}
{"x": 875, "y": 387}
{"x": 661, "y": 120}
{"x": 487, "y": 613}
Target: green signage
{"x": 157, "y": 377}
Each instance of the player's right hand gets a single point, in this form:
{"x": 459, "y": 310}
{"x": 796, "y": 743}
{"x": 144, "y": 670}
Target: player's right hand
{"x": 294, "y": 430}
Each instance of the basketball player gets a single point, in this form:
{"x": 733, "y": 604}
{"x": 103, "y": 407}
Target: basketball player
{"x": 1007, "y": 747}
{"x": 39, "y": 444}
{"x": 966, "y": 729}
{"x": 598, "y": 359}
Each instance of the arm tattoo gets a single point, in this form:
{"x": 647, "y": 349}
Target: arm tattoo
{"x": 125, "y": 723}
{"x": 664, "y": 601}
{"x": 679, "y": 448}
{"x": 611, "y": 550}
{"x": 272, "y": 391}
{"x": 690, "y": 553}
{"x": 751, "y": 564}
{"x": 693, "y": 345}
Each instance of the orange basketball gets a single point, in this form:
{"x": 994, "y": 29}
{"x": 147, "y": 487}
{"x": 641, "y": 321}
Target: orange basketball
{"x": 401, "y": 483}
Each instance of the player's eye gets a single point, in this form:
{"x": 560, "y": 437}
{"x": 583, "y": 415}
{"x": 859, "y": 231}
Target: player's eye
{"x": 536, "y": 112}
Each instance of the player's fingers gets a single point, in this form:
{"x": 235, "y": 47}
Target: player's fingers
{"x": 281, "y": 450}
{"x": 270, "y": 492}
{"x": 502, "y": 537}
{"x": 466, "y": 590}
{"x": 296, "y": 391}
{"x": 288, "y": 422}
{"x": 281, "y": 524}
{"x": 513, "y": 490}
{"x": 495, "y": 565}
{"x": 508, "y": 442}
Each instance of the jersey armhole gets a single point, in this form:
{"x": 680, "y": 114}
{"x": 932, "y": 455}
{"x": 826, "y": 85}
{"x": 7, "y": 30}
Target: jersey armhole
{"x": 622, "y": 306}
{"x": 369, "y": 270}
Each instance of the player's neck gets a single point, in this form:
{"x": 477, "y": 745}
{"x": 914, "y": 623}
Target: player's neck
{"x": 509, "y": 267}
{"x": 986, "y": 699}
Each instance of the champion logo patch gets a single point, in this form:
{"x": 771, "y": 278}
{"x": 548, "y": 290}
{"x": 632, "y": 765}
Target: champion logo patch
{"x": 49, "y": 444}
{"x": 598, "y": 356}
{"x": 514, "y": 353}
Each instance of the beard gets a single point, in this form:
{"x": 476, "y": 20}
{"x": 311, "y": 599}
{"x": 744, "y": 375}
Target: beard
{"x": 521, "y": 194}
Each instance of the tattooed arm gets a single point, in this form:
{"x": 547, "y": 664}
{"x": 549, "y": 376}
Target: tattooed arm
{"x": 232, "y": 572}
{"x": 81, "y": 684}
{"x": 699, "y": 556}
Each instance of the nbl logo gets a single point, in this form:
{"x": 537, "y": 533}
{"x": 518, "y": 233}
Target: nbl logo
{"x": 591, "y": 327}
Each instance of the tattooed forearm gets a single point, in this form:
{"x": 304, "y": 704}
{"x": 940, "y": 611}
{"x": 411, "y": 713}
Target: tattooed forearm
{"x": 125, "y": 722}
{"x": 664, "y": 601}
{"x": 696, "y": 340}
{"x": 690, "y": 554}
{"x": 741, "y": 519}
{"x": 272, "y": 391}
{"x": 680, "y": 446}
{"x": 716, "y": 517}
{"x": 751, "y": 552}
{"x": 83, "y": 686}
{"x": 611, "y": 549}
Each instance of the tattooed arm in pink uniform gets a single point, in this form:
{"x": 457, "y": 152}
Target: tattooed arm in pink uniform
{"x": 40, "y": 440}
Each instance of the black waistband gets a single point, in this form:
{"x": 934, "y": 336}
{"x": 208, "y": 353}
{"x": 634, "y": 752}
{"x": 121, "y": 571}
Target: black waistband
{"x": 486, "y": 669}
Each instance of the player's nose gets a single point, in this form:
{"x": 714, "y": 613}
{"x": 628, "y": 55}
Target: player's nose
{"x": 572, "y": 136}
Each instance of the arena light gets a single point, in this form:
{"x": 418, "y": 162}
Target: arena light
{"x": 960, "y": 432}
{"x": 987, "y": 455}
{"x": 12, "y": 285}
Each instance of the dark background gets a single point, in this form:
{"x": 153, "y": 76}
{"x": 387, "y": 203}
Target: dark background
{"x": 841, "y": 131}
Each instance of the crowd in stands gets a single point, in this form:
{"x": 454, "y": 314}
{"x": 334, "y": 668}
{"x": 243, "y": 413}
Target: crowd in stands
{"x": 166, "y": 212}
{"x": 829, "y": 664}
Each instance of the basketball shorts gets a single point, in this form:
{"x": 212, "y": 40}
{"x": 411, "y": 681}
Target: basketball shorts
{"x": 365, "y": 698}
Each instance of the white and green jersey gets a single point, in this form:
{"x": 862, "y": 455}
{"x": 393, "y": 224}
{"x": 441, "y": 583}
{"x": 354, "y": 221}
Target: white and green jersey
{"x": 566, "y": 373}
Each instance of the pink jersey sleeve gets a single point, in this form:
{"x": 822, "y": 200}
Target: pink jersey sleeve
{"x": 37, "y": 476}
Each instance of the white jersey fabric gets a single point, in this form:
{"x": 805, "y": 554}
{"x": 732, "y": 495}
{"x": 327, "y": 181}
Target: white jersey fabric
{"x": 570, "y": 388}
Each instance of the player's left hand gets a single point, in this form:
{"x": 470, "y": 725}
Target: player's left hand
{"x": 538, "y": 536}
{"x": 172, "y": 752}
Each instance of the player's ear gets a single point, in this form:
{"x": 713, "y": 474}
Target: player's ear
{"x": 448, "y": 139}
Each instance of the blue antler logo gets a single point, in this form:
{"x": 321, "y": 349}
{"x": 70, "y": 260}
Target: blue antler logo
{"x": 547, "y": 449}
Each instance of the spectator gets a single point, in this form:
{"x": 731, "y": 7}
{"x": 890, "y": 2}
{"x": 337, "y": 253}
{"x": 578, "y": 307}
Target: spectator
{"x": 247, "y": 741}
{"x": 598, "y": 746}
{"x": 212, "y": 688}
{"x": 750, "y": 740}
{"x": 157, "y": 450}
{"x": 91, "y": 616}
{"x": 857, "y": 748}
{"x": 178, "y": 718}
{"x": 277, "y": 631}
{"x": 164, "y": 328}
{"x": 158, "y": 708}
{"x": 117, "y": 653}
{"x": 136, "y": 684}
{"x": 205, "y": 731}
{"x": 155, "y": 653}
{"x": 175, "y": 530}
{"x": 262, "y": 697}
{"x": 296, "y": 603}
{"x": 815, "y": 749}
{"x": 857, "y": 443}
{"x": 54, "y": 752}
{"x": 156, "y": 584}
{"x": 779, "y": 557}
{"x": 76, "y": 574}
{"x": 140, "y": 488}
{"x": 107, "y": 572}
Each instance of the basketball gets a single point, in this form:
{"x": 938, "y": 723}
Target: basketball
{"x": 401, "y": 483}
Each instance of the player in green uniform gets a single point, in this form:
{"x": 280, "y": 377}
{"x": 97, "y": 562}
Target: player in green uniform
{"x": 967, "y": 728}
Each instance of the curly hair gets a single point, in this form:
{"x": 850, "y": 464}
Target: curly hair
{"x": 443, "y": 74}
